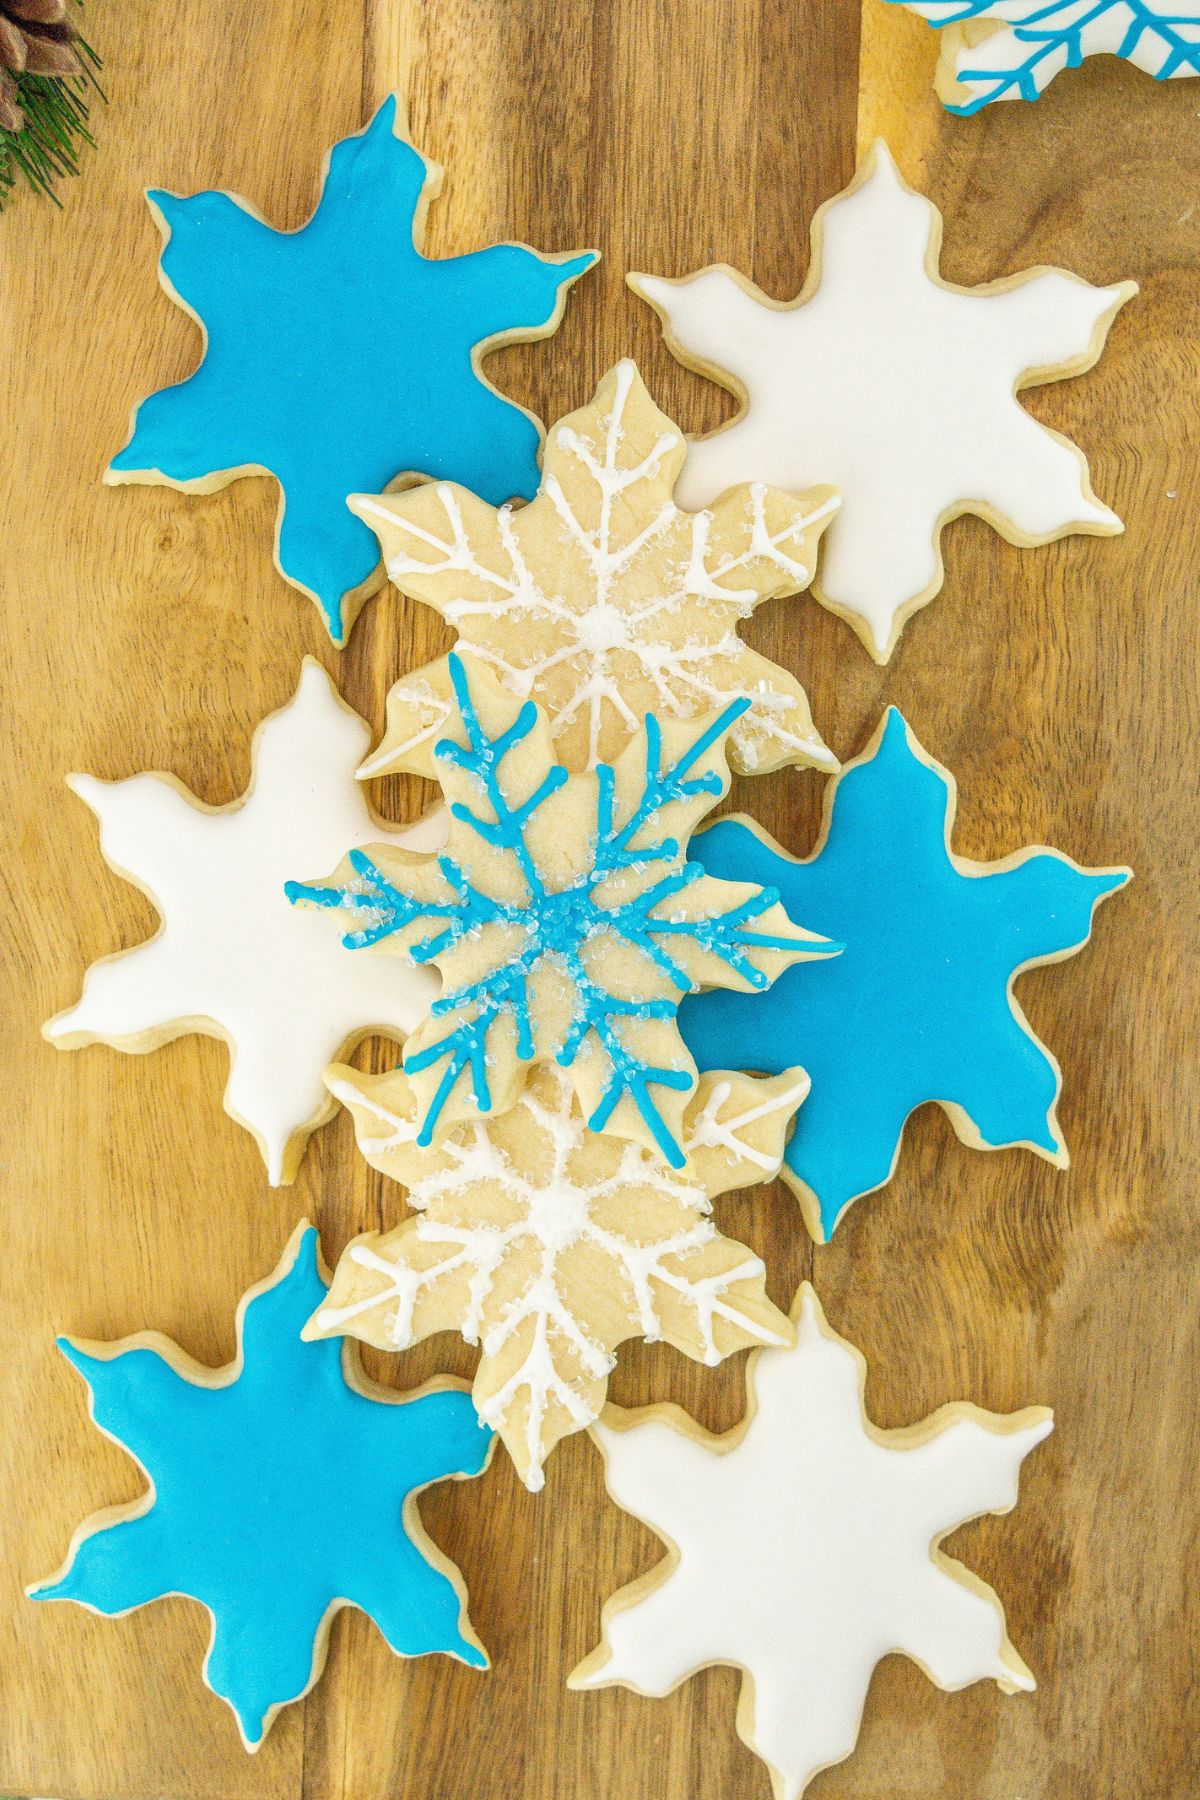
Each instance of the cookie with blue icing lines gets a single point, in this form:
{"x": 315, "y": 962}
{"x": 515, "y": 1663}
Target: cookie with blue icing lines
{"x": 282, "y": 1488}
{"x": 565, "y": 917}
{"x": 919, "y": 1006}
{"x": 339, "y": 358}
{"x": 990, "y": 50}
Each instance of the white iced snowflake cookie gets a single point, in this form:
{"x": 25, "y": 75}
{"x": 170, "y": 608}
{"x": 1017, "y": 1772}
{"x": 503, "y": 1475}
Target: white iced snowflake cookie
{"x": 804, "y": 1549}
{"x": 232, "y": 958}
{"x": 898, "y": 388}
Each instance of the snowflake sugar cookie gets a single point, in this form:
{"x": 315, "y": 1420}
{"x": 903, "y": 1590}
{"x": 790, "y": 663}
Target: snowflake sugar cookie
{"x": 1012, "y": 49}
{"x": 898, "y": 388}
{"x": 282, "y": 1488}
{"x": 231, "y": 957}
{"x": 564, "y": 918}
{"x": 602, "y": 600}
{"x": 919, "y": 1007}
{"x": 339, "y": 357}
{"x": 548, "y": 1245}
{"x": 804, "y": 1549}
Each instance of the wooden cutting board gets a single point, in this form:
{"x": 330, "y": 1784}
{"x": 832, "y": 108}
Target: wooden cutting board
{"x": 143, "y": 629}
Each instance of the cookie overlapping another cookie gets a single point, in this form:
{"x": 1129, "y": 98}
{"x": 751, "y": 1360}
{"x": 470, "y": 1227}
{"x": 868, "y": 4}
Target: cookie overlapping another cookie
{"x": 602, "y": 600}
{"x": 564, "y": 917}
{"x": 548, "y": 1244}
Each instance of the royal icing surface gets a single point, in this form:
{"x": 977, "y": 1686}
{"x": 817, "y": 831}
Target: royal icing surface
{"x": 564, "y": 918}
{"x": 1013, "y": 49}
{"x": 805, "y": 1550}
{"x": 232, "y": 957}
{"x": 280, "y": 1491}
{"x": 602, "y": 600}
{"x": 548, "y": 1245}
{"x": 897, "y": 388}
{"x": 919, "y": 1005}
{"x": 338, "y": 357}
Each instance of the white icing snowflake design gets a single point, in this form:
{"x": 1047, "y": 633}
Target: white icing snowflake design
{"x": 232, "y": 958}
{"x": 549, "y": 1245}
{"x": 602, "y": 600}
{"x": 1012, "y": 49}
{"x": 898, "y": 388}
{"x": 805, "y": 1549}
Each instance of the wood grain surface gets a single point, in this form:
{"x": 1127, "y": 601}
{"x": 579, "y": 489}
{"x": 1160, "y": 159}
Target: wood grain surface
{"x": 145, "y": 629}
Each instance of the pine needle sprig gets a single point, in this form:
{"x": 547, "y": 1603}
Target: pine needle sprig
{"x": 54, "y": 124}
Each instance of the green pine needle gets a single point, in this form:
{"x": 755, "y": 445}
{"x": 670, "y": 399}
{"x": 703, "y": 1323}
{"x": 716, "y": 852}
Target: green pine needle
{"x": 56, "y": 114}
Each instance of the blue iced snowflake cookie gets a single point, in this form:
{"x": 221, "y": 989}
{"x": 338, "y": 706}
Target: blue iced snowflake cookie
{"x": 281, "y": 1488}
{"x": 340, "y": 359}
{"x": 1012, "y": 49}
{"x": 919, "y": 1006}
{"x": 565, "y": 918}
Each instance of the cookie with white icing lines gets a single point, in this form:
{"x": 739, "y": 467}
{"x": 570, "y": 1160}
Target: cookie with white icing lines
{"x": 232, "y": 959}
{"x": 804, "y": 1548}
{"x": 549, "y": 1245}
{"x": 898, "y": 388}
{"x": 602, "y": 600}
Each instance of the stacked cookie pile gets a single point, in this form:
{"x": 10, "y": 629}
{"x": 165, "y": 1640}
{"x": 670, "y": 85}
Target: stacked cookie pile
{"x": 608, "y": 1021}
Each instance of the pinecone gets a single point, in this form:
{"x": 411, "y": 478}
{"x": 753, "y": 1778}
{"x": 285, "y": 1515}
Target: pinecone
{"x": 36, "y": 38}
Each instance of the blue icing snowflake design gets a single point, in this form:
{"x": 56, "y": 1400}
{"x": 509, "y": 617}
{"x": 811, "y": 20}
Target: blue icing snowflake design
{"x": 1028, "y": 42}
{"x": 563, "y": 923}
{"x": 338, "y": 358}
{"x": 918, "y": 1007}
{"x": 279, "y": 1492}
